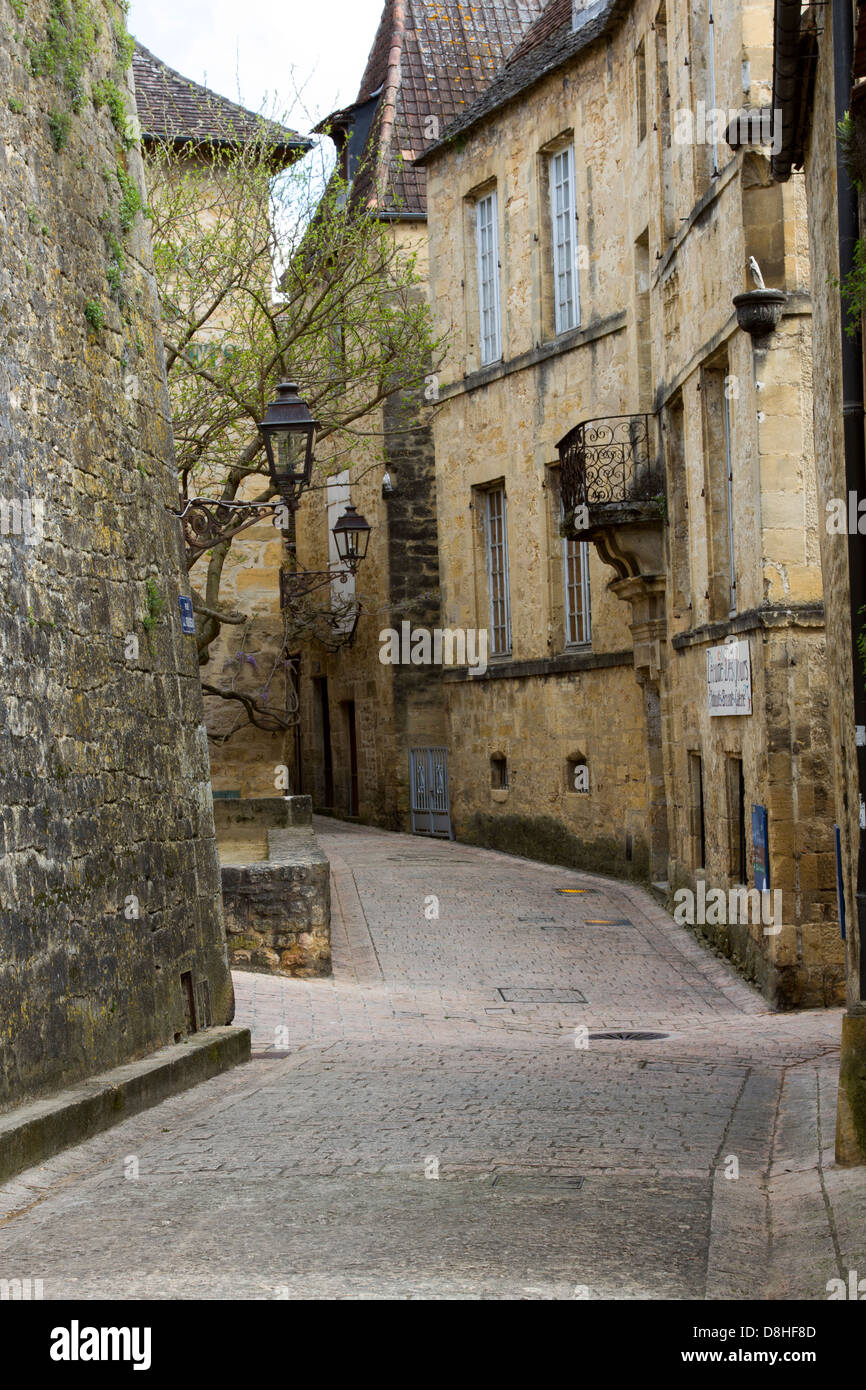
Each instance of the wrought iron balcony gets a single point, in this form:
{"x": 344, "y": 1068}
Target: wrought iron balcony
{"x": 611, "y": 460}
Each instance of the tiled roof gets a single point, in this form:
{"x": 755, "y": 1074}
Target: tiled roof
{"x": 174, "y": 109}
{"x": 432, "y": 59}
{"x": 549, "y": 44}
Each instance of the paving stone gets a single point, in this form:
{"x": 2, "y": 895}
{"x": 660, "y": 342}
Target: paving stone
{"x": 404, "y": 1133}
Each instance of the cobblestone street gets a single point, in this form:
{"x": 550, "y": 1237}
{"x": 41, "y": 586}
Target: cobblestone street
{"x": 452, "y": 1046}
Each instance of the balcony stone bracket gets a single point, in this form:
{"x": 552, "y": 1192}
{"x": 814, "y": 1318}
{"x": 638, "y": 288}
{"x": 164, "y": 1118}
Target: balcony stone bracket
{"x": 629, "y": 536}
{"x": 646, "y": 594}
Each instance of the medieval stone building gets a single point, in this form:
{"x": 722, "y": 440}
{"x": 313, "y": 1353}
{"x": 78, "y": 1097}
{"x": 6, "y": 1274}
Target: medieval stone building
{"x": 821, "y": 55}
{"x": 111, "y": 933}
{"x": 657, "y": 692}
{"x": 363, "y": 721}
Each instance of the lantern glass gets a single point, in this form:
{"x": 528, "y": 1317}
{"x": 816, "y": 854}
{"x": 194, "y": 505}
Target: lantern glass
{"x": 289, "y": 432}
{"x": 290, "y": 453}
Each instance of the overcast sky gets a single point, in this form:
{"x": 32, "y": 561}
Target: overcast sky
{"x": 267, "y": 48}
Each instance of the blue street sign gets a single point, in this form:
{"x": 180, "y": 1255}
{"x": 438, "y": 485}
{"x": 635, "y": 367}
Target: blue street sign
{"x": 187, "y": 616}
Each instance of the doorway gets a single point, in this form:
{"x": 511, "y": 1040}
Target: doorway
{"x": 430, "y": 795}
{"x": 323, "y": 731}
{"x": 352, "y": 745}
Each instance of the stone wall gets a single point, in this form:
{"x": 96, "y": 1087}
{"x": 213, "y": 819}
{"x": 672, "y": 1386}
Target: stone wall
{"x": 541, "y": 725}
{"x": 111, "y": 928}
{"x": 276, "y": 886}
{"x": 820, "y": 182}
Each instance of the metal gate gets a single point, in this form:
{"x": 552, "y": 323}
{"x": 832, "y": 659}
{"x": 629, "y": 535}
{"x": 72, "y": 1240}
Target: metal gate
{"x": 431, "y": 804}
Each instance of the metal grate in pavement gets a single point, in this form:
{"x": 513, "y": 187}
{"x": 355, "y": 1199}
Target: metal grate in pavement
{"x": 536, "y": 1185}
{"x": 527, "y": 995}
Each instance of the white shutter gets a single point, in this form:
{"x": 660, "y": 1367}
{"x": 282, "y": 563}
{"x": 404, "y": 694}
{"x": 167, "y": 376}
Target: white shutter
{"x": 343, "y": 584}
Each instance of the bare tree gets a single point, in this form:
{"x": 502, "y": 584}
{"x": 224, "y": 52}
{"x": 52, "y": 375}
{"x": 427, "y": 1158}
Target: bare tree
{"x": 266, "y": 274}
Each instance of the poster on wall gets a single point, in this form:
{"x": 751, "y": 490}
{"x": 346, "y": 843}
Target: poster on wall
{"x": 729, "y": 679}
{"x": 761, "y": 848}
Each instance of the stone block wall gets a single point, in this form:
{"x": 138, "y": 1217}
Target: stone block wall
{"x": 278, "y": 910}
{"x": 541, "y": 726}
{"x": 111, "y": 931}
{"x": 820, "y": 187}
{"x": 785, "y": 751}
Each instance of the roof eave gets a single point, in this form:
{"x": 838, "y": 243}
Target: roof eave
{"x": 795, "y": 56}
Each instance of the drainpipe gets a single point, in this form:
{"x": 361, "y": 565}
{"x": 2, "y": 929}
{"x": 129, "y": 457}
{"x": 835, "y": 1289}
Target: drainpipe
{"x": 854, "y": 443}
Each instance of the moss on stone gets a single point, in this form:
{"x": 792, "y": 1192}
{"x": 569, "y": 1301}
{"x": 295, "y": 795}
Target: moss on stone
{"x": 66, "y": 48}
{"x": 60, "y": 123}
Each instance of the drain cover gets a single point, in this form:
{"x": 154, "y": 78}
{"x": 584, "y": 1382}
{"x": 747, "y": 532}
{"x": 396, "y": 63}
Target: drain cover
{"x": 535, "y": 1186}
{"x": 627, "y": 1037}
{"x": 541, "y": 996}
{"x": 609, "y": 922}
{"x": 567, "y": 892}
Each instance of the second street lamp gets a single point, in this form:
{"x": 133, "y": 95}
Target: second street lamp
{"x": 352, "y": 535}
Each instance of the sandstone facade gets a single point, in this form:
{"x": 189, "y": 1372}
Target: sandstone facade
{"x": 667, "y": 218}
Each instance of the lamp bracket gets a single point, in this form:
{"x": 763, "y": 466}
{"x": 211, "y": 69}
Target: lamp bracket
{"x": 207, "y": 521}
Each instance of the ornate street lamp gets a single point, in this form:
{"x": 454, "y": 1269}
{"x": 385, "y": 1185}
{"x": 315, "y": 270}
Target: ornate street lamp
{"x": 352, "y": 534}
{"x": 289, "y": 432}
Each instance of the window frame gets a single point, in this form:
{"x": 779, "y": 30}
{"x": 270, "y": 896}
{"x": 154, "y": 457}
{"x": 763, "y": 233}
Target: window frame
{"x": 494, "y": 307}
{"x": 583, "y": 619}
{"x": 562, "y": 252}
{"x": 498, "y": 545}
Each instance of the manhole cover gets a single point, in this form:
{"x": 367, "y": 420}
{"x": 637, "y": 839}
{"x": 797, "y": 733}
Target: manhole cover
{"x": 523, "y": 995}
{"x": 627, "y": 1037}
